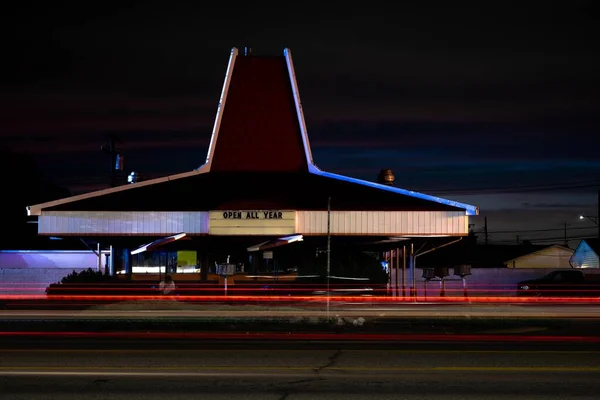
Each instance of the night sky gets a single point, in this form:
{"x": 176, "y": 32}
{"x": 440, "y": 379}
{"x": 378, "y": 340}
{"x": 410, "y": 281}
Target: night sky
{"x": 491, "y": 103}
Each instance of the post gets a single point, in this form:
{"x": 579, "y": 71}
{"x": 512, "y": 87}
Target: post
{"x": 403, "y": 271}
{"x": 99, "y": 254}
{"x": 389, "y": 256}
{"x": 393, "y": 272}
{"x": 160, "y": 269}
{"x": 397, "y": 271}
{"x": 126, "y": 257}
{"x": 328, "y": 250}
{"x": 411, "y": 261}
{"x": 485, "y": 227}
{"x": 111, "y": 261}
{"x": 391, "y": 289}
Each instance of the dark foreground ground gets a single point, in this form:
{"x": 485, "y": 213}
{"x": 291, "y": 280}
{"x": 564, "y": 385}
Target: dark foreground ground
{"x": 138, "y": 368}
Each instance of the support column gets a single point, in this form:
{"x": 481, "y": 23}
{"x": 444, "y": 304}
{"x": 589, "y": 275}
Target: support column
{"x": 111, "y": 261}
{"x": 204, "y": 266}
{"x": 126, "y": 260}
{"x": 403, "y": 271}
{"x": 411, "y": 262}
{"x": 255, "y": 258}
{"x": 120, "y": 260}
{"x": 99, "y": 254}
{"x": 390, "y": 281}
{"x": 396, "y": 280}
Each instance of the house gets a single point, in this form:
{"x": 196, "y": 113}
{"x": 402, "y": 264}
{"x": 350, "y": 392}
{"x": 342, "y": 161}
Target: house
{"x": 586, "y": 254}
{"x": 468, "y": 252}
{"x": 554, "y": 256}
{"x": 494, "y": 269}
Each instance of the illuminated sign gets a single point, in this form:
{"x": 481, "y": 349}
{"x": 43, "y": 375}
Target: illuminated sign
{"x": 252, "y": 222}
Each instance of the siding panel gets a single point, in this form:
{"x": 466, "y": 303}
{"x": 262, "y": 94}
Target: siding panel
{"x": 122, "y": 223}
{"x": 378, "y": 223}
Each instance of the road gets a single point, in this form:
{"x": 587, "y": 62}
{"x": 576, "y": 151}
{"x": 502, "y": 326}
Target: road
{"x": 292, "y": 370}
{"x": 145, "y": 309}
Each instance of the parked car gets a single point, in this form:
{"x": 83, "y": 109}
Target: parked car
{"x": 561, "y": 283}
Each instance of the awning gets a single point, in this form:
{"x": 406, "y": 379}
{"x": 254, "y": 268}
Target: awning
{"x": 159, "y": 243}
{"x": 269, "y": 244}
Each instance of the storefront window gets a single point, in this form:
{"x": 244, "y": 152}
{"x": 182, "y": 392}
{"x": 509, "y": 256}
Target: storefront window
{"x": 161, "y": 262}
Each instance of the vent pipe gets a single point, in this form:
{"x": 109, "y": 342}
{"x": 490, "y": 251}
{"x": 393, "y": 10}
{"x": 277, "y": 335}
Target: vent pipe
{"x": 133, "y": 177}
{"x": 386, "y": 177}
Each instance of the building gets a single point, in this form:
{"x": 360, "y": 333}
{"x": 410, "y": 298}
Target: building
{"x": 477, "y": 255}
{"x": 554, "y": 256}
{"x": 258, "y": 190}
{"x": 586, "y": 254}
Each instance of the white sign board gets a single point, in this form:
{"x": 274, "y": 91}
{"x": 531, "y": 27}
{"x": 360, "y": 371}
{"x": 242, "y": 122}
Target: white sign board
{"x": 252, "y": 222}
{"x": 226, "y": 269}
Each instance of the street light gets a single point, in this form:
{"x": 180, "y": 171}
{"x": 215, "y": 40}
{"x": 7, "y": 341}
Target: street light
{"x": 592, "y": 218}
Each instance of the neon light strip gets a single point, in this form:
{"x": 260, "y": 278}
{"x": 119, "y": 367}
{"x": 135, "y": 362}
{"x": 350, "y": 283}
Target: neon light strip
{"x": 471, "y": 210}
{"x": 290, "y": 65}
{"x": 220, "y": 110}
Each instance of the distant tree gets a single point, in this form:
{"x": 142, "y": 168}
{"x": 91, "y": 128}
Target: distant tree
{"x": 23, "y": 185}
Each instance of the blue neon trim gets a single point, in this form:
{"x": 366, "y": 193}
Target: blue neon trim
{"x": 471, "y": 210}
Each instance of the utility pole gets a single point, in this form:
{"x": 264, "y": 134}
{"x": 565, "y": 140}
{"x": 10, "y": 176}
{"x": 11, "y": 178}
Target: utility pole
{"x": 485, "y": 229}
{"x": 328, "y": 249}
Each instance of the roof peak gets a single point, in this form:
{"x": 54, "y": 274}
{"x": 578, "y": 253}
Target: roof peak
{"x": 260, "y": 123}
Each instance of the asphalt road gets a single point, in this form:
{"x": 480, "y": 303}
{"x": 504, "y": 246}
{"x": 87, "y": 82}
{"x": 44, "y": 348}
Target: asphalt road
{"x": 290, "y": 370}
{"x": 145, "y": 309}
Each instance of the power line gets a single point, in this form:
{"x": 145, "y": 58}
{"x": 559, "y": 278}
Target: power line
{"x": 521, "y": 188}
{"x": 539, "y": 230}
{"x": 546, "y": 239}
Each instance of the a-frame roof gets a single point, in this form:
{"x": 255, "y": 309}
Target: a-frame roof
{"x": 540, "y": 251}
{"x": 259, "y": 131}
{"x": 592, "y": 243}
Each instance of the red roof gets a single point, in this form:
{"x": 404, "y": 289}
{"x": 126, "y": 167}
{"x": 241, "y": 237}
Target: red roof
{"x": 259, "y": 130}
